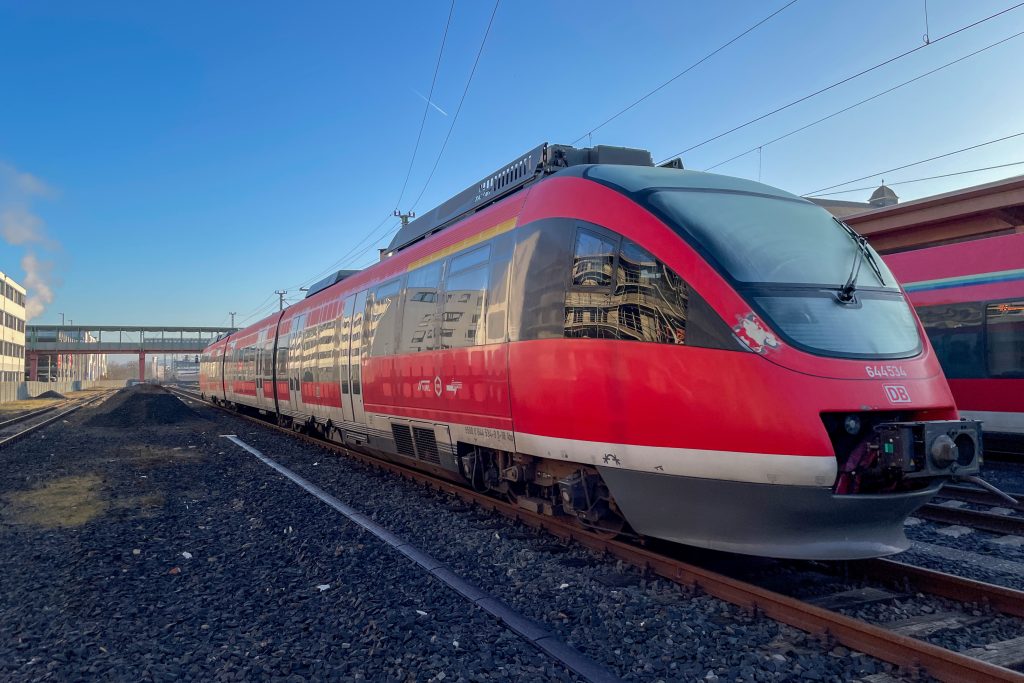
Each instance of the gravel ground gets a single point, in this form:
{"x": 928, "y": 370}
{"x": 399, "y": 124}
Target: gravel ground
{"x": 979, "y": 555}
{"x": 641, "y": 628}
{"x": 1008, "y": 476}
{"x": 975, "y": 555}
{"x": 138, "y": 545}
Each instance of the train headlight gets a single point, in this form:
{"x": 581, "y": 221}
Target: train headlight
{"x": 852, "y": 424}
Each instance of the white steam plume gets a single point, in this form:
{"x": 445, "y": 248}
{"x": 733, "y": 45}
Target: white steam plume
{"x": 38, "y": 275}
{"x": 20, "y": 226}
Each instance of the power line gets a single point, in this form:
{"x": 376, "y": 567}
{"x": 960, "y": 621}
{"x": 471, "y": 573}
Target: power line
{"x": 334, "y": 266}
{"x": 426, "y": 106}
{"x": 455, "y": 117}
{"x": 920, "y": 180}
{"x": 916, "y": 163}
{"x": 841, "y": 82}
{"x": 864, "y": 101}
{"x": 683, "y": 72}
{"x": 374, "y": 234}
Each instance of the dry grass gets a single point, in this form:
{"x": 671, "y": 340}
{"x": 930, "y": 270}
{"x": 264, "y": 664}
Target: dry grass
{"x": 26, "y": 405}
{"x": 64, "y": 502}
{"x": 71, "y": 502}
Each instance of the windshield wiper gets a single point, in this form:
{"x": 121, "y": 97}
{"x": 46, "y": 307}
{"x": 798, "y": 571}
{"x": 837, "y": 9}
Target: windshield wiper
{"x": 863, "y": 254}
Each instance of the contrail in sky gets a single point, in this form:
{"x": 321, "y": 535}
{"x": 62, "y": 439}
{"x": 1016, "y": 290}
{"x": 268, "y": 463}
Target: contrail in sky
{"x": 429, "y": 102}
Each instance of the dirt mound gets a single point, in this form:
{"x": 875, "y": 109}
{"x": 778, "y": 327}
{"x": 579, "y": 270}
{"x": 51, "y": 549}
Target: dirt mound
{"x": 50, "y": 394}
{"x": 143, "y": 405}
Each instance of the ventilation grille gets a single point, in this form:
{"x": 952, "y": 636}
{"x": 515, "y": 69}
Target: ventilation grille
{"x": 403, "y": 440}
{"x": 426, "y": 445}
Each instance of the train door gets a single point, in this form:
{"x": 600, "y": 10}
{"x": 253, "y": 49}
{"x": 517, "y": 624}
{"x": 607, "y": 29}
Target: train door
{"x": 344, "y": 367}
{"x": 355, "y": 362}
{"x": 293, "y": 365}
{"x": 263, "y": 378}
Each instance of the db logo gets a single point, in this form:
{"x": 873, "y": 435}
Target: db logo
{"x": 896, "y": 393}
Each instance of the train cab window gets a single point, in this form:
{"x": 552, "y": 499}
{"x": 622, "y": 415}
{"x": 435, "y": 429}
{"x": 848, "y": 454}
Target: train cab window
{"x": 465, "y": 296}
{"x": 420, "y": 312}
{"x": 1005, "y": 323}
{"x": 957, "y": 334}
{"x": 593, "y": 260}
{"x": 382, "y": 318}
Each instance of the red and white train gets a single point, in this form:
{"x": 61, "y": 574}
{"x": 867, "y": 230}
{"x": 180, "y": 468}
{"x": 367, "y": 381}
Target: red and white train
{"x": 705, "y": 359}
{"x": 970, "y": 297}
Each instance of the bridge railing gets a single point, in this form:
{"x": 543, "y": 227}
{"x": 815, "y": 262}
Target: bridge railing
{"x": 113, "y": 338}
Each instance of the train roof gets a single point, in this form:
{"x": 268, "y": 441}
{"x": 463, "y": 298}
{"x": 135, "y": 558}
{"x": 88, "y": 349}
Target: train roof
{"x": 633, "y": 179}
{"x": 627, "y": 168}
{"x": 540, "y": 162}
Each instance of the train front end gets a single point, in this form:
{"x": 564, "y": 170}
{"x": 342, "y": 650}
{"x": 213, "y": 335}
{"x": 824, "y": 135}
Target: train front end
{"x": 825, "y": 423}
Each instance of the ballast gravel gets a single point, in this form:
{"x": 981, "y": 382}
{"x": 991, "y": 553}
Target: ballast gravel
{"x": 138, "y": 545}
{"x": 640, "y": 628}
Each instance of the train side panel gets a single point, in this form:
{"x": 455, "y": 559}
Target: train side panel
{"x": 970, "y": 298}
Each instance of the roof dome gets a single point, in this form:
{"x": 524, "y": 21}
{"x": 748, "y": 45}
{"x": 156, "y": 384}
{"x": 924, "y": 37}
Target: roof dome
{"x": 883, "y": 196}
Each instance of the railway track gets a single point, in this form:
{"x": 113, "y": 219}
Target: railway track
{"x": 19, "y": 427}
{"x": 1002, "y": 517}
{"x": 896, "y": 645}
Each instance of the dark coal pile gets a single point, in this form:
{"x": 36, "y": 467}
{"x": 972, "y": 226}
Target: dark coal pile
{"x": 51, "y": 394}
{"x": 140, "y": 406}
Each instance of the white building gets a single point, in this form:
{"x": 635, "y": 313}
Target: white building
{"x": 12, "y": 330}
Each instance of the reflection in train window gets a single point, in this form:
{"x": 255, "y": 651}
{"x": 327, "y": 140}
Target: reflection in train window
{"x": 957, "y": 335}
{"x": 466, "y": 293}
{"x": 593, "y": 261}
{"x": 381, "y": 319}
{"x": 648, "y": 301}
{"x": 1005, "y": 322}
{"x": 420, "y": 309}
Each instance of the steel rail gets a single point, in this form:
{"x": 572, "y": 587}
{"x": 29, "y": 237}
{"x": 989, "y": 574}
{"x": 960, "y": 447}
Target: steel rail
{"x": 50, "y": 420}
{"x": 976, "y": 519}
{"x": 903, "y": 651}
{"x": 969, "y": 494}
{"x": 923, "y": 580}
{"x": 32, "y": 413}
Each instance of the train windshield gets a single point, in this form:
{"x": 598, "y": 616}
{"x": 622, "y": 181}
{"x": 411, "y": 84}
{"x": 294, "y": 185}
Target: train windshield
{"x": 788, "y": 257}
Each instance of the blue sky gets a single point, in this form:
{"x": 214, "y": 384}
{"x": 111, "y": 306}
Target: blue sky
{"x": 166, "y": 164}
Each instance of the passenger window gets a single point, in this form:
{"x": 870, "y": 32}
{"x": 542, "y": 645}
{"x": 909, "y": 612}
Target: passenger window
{"x": 1006, "y": 339}
{"x": 956, "y": 333}
{"x": 650, "y": 297}
{"x": 465, "y": 296}
{"x": 381, "y": 319}
{"x": 593, "y": 261}
{"x": 420, "y": 309}
{"x": 470, "y": 259}
{"x": 648, "y": 302}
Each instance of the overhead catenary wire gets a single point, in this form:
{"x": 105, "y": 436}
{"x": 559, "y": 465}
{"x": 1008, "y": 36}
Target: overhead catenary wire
{"x": 426, "y": 106}
{"x": 462, "y": 100}
{"x": 847, "y": 79}
{"x": 915, "y": 163}
{"x": 683, "y": 72}
{"x": 375, "y": 234}
{"x": 864, "y": 101}
{"x": 342, "y": 259}
{"x": 921, "y": 180}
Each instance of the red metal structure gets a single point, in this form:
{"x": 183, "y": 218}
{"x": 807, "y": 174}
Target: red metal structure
{"x": 706, "y": 359}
